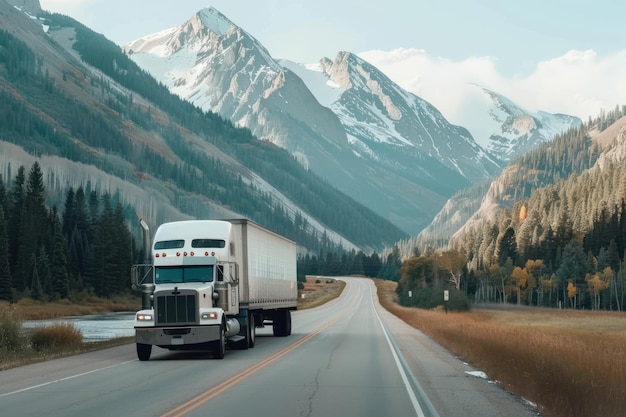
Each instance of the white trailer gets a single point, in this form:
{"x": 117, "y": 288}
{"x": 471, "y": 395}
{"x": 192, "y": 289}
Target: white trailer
{"x": 211, "y": 283}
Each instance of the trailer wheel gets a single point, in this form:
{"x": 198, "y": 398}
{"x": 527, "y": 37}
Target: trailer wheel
{"x": 251, "y": 333}
{"x": 288, "y": 322}
{"x": 219, "y": 346}
{"x": 143, "y": 351}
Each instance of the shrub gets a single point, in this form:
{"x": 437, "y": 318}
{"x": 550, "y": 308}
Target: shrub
{"x": 11, "y": 336}
{"x": 458, "y": 301}
{"x": 57, "y": 336}
{"x": 430, "y": 297}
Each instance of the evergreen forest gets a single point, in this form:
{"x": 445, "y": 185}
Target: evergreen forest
{"x": 47, "y": 254}
{"x": 86, "y": 248}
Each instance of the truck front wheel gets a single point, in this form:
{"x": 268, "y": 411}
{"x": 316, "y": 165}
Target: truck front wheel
{"x": 143, "y": 351}
{"x": 219, "y": 347}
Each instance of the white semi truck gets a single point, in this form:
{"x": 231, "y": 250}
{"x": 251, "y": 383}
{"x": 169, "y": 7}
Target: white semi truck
{"x": 210, "y": 283}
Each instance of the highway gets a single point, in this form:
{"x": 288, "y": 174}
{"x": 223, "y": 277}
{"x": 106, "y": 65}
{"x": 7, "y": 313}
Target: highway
{"x": 349, "y": 357}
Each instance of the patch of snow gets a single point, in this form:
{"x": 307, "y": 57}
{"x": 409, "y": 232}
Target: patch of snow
{"x": 478, "y": 374}
{"x": 325, "y": 91}
{"x": 530, "y": 403}
{"x": 215, "y": 21}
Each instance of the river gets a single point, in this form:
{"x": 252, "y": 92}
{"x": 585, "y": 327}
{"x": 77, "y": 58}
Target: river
{"x": 95, "y": 328}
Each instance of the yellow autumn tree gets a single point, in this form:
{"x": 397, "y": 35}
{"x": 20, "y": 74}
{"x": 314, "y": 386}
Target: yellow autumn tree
{"x": 549, "y": 284}
{"x": 571, "y": 293}
{"x": 597, "y": 283}
{"x": 522, "y": 213}
{"x": 534, "y": 269}
{"x": 519, "y": 278}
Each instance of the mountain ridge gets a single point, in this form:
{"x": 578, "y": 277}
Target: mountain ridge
{"x": 234, "y": 76}
{"x": 520, "y": 130}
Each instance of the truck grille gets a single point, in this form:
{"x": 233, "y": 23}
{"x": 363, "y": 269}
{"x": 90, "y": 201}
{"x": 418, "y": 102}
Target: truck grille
{"x": 176, "y": 309}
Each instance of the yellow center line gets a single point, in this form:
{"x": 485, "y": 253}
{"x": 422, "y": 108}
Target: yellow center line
{"x": 235, "y": 379}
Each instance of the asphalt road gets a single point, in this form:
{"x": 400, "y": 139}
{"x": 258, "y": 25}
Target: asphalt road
{"x": 347, "y": 358}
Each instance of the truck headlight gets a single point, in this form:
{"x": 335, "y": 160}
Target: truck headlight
{"x": 209, "y": 316}
{"x": 144, "y": 317}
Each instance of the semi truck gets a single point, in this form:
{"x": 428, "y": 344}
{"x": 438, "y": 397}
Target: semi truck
{"x": 211, "y": 283}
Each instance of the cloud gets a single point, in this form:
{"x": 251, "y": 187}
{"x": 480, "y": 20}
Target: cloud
{"x": 579, "y": 83}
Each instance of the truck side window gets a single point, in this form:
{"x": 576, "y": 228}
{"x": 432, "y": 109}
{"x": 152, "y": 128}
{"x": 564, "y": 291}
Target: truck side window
{"x": 220, "y": 272}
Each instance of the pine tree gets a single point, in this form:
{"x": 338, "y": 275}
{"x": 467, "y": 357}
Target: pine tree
{"x": 123, "y": 250}
{"x": 4, "y": 203}
{"x": 507, "y": 246}
{"x": 5, "y": 272}
{"x": 58, "y": 268}
{"x": 14, "y": 220}
{"x": 36, "y": 291}
{"x": 69, "y": 210}
{"x": 33, "y": 225}
{"x": 43, "y": 269}
{"x": 372, "y": 265}
{"x": 573, "y": 267}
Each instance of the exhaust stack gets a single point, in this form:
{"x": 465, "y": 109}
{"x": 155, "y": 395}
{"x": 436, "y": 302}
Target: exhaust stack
{"x": 147, "y": 288}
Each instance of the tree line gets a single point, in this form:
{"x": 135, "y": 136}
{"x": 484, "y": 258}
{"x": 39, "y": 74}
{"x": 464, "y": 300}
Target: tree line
{"x": 87, "y": 247}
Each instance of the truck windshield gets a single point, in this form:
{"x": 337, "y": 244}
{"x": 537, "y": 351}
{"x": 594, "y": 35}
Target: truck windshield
{"x": 169, "y": 244}
{"x": 179, "y": 274}
{"x": 208, "y": 243}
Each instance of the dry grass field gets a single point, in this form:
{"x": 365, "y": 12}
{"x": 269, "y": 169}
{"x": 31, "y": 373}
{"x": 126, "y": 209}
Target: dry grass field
{"x": 570, "y": 363}
{"x": 318, "y": 291}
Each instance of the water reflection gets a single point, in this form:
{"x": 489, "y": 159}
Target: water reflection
{"x": 95, "y": 328}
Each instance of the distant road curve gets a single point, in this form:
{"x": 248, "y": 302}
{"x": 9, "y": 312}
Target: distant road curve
{"x": 349, "y": 357}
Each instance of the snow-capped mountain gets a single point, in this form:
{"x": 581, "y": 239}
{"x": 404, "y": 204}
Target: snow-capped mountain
{"x": 506, "y": 130}
{"x": 342, "y": 119}
{"x": 383, "y": 120}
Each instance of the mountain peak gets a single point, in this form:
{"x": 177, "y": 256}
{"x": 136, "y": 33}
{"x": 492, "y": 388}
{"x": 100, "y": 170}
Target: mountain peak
{"x": 212, "y": 19}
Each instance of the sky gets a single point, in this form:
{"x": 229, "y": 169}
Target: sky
{"x": 549, "y": 55}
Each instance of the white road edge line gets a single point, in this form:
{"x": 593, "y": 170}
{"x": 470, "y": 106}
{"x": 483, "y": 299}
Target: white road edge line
{"x": 401, "y": 369}
{"x": 64, "y": 379}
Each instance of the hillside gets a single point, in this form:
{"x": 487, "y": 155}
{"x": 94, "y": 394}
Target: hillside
{"x": 570, "y": 153}
{"x": 550, "y": 232}
{"x": 72, "y": 100}
{"x": 558, "y": 217}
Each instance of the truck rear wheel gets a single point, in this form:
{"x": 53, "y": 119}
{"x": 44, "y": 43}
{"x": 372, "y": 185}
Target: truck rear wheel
{"x": 143, "y": 351}
{"x": 282, "y": 323}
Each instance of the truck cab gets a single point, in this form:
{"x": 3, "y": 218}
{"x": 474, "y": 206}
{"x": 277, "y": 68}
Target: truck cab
{"x": 193, "y": 290}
